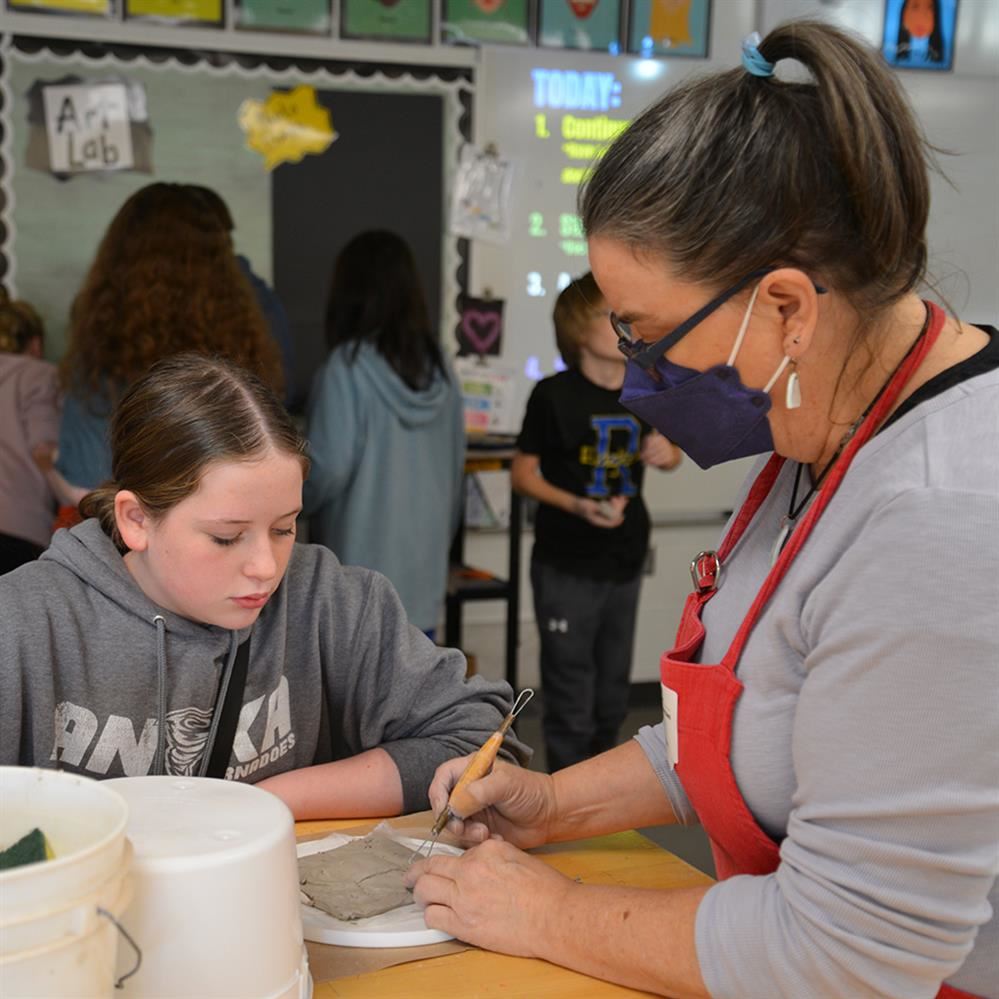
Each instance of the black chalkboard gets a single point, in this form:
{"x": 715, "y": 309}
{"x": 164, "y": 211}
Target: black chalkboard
{"x": 384, "y": 171}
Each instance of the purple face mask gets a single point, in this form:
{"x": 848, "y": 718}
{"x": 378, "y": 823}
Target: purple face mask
{"x": 711, "y": 415}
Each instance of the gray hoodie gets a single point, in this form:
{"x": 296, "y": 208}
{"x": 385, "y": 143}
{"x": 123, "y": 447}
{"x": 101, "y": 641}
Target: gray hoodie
{"x": 385, "y": 487}
{"x": 83, "y": 654}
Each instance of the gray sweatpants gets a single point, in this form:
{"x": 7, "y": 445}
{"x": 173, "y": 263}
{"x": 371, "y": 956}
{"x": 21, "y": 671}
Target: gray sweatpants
{"x": 587, "y": 632}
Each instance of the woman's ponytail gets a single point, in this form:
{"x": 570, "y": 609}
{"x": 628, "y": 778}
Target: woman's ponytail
{"x": 741, "y": 170}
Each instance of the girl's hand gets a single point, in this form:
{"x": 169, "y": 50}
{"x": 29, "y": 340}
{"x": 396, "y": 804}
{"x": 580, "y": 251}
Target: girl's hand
{"x": 660, "y": 452}
{"x": 517, "y": 804}
{"x": 493, "y": 896}
{"x": 601, "y": 513}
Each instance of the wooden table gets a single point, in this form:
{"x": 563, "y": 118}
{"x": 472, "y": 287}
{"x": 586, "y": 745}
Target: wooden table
{"x": 626, "y": 858}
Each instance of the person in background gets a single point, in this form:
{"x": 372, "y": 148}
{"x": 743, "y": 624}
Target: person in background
{"x": 122, "y": 647}
{"x": 831, "y": 698}
{"x": 581, "y": 455}
{"x": 164, "y": 280}
{"x": 271, "y": 306}
{"x": 386, "y": 428}
{"x": 29, "y": 421}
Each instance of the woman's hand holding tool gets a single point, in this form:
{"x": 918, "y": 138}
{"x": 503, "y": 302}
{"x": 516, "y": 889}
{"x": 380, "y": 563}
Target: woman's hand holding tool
{"x": 515, "y": 804}
{"x": 454, "y": 799}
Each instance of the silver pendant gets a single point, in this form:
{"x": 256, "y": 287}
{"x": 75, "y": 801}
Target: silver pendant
{"x": 786, "y": 526}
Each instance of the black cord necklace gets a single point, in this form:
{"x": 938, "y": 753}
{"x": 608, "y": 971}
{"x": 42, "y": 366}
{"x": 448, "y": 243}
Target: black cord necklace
{"x": 794, "y": 507}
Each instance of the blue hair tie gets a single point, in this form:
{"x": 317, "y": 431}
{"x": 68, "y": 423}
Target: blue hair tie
{"x": 751, "y": 58}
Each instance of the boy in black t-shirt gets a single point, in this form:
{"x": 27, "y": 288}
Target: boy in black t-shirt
{"x": 581, "y": 454}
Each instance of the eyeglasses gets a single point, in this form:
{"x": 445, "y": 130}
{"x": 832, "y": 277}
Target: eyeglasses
{"x": 645, "y": 353}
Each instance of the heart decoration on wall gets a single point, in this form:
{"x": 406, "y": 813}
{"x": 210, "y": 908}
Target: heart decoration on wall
{"x": 481, "y": 328}
{"x": 582, "y": 8}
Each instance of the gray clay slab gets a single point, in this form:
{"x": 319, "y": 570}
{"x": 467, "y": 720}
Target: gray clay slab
{"x": 362, "y": 878}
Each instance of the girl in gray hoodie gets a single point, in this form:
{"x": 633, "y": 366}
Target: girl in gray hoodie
{"x": 117, "y": 648}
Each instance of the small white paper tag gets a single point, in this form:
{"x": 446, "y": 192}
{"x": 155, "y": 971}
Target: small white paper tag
{"x": 671, "y": 707}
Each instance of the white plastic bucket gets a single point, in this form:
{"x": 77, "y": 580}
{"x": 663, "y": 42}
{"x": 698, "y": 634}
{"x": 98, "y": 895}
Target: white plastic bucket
{"x": 73, "y": 918}
{"x": 57, "y": 917}
{"x": 79, "y": 964}
{"x": 216, "y": 903}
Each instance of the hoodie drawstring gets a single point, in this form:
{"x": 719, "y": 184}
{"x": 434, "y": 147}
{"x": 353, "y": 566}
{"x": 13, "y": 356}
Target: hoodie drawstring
{"x": 219, "y": 701}
{"x": 159, "y": 760}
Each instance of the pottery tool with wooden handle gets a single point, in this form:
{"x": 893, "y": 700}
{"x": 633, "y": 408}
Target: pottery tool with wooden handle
{"x": 460, "y": 803}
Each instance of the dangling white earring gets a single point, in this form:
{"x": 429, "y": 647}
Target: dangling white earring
{"x": 792, "y": 395}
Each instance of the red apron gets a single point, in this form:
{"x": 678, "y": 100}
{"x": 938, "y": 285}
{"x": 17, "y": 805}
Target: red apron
{"x": 699, "y": 700}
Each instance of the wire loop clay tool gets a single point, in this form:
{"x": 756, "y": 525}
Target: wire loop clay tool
{"x": 460, "y": 803}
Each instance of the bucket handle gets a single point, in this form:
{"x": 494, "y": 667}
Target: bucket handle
{"x": 138, "y": 951}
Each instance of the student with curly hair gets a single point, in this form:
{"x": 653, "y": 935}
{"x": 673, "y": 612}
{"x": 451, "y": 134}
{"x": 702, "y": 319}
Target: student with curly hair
{"x": 164, "y": 280}
{"x": 271, "y": 306}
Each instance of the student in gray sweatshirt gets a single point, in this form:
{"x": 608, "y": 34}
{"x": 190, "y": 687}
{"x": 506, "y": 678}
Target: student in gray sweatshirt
{"x": 831, "y": 701}
{"x": 118, "y": 647}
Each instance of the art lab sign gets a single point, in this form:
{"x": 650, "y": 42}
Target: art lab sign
{"x": 87, "y": 127}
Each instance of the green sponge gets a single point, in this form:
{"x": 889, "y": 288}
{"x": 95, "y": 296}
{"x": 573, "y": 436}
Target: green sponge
{"x": 28, "y": 849}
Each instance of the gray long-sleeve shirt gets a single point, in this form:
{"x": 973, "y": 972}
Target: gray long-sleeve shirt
{"x": 866, "y": 740}
{"x": 80, "y": 647}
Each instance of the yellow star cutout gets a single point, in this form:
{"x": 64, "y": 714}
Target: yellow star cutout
{"x": 287, "y": 126}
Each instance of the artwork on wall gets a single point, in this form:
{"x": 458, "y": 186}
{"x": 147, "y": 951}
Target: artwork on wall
{"x": 386, "y": 20}
{"x": 480, "y": 196}
{"x": 469, "y": 22}
{"x": 310, "y": 17}
{"x": 103, "y": 8}
{"x": 287, "y": 126}
{"x": 489, "y": 395}
{"x": 480, "y": 331}
{"x": 580, "y": 24}
{"x": 177, "y": 11}
{"x": 669, "y": 27}
{"x": 641, "y": 27}
{"x": 79, "y": 125}
{"x": 919, "y": 34}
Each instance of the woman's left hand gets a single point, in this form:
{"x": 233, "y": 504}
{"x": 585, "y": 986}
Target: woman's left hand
{"x": 494, "y": 896}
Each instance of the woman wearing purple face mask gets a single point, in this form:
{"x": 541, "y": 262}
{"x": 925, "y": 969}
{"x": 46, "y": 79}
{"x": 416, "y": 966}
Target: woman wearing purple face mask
{"x": 831, "y": 700}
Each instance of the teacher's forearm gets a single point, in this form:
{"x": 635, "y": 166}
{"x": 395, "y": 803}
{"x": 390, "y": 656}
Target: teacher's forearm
{"x": 617, "y": 790}
{"x": 364, "y": 786}
{"x": 633, "y": 936}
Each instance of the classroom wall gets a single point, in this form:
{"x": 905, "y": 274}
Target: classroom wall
{"x": 54, "y": 225}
